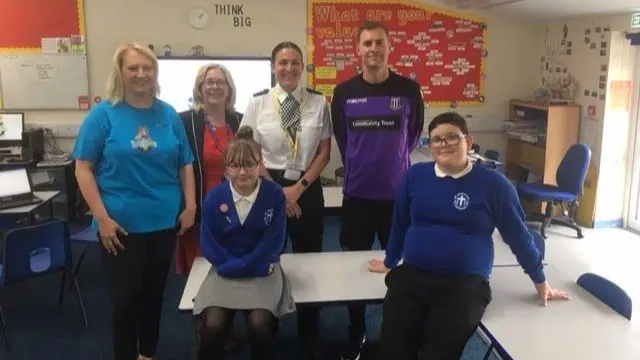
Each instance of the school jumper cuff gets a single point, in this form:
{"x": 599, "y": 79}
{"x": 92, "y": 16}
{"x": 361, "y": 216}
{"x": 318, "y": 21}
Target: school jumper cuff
{"x": 538, "y": 277}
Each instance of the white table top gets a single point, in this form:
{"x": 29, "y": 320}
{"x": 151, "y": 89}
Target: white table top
{"x": 314, "y": 277}
{"x": 583, "y": 328}
{"x": 332, "y": 196}
{"x": 320, "y": 277}
{"x": 44, "y": 195}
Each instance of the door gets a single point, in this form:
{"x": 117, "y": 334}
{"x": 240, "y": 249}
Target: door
{"x": 633, "y": 213}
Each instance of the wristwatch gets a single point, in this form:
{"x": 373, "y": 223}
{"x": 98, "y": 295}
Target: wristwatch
{"x": 304, "y": 182}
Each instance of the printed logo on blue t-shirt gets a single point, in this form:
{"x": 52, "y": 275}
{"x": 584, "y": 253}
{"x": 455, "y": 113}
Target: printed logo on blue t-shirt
{"x": 143, "y": 141}
{"x": 461, "y": 201}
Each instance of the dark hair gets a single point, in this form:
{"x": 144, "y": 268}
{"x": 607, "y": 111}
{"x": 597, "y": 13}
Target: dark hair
{"x": 372, "y": 25}
{"x": 284, "y": 45}
{"x": 243, "y": 150}
{"x": 452, "y": 118}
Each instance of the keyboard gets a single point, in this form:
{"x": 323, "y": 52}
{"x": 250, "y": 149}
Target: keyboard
{"x": 10, "y": 204}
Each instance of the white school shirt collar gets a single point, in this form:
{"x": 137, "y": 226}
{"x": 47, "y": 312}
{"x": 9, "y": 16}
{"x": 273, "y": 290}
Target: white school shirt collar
{"x": 251, "y": 198}
{"x": 281, "y": 94}
{"x": 440, "y": 173}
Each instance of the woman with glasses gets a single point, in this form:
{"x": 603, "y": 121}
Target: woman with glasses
{"x": 210, "y": 126}
{"x": 293, "y": 126}
{"x": 444, "y": 218}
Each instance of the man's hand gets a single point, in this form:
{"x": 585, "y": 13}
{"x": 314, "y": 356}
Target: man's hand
{"x": 546, "y": 293}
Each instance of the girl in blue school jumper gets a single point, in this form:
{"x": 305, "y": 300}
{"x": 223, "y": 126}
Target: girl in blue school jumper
{"x": 445, "y": 214}
{"x": 243, "y": 232}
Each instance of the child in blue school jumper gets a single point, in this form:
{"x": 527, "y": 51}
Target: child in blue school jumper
{"x": 243, "y": 233}
{"x": 444, "y": 218}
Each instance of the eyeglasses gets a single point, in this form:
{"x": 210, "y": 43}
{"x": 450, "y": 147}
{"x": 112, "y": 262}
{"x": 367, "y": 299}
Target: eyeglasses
{"x": 249, "y": 166}
{"x": 216, "y": 83}
{"x": 449, "y": 139}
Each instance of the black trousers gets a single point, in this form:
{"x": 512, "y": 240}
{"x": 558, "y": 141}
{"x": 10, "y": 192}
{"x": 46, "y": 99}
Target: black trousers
{"x": 306, "y": 236}
{"x": 361, "y": 221}
{"x": 428, "y": 316}
{"x": 136, "y": 279}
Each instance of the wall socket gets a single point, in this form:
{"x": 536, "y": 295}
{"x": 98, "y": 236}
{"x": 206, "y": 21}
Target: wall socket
{"x": 60, "y": 130}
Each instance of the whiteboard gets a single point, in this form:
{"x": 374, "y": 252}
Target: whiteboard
{"x": 177, "y": 76}
{"x": 44, "y": 82}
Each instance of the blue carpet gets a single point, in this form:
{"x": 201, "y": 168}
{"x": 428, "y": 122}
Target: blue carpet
{"x": 38, "y": 329}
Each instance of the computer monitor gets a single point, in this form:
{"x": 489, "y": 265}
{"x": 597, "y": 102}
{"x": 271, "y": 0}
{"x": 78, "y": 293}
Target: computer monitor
{"x": 14, "y": 182}
{"x": 11, "y": 127}
{"x": 177, "y": 75}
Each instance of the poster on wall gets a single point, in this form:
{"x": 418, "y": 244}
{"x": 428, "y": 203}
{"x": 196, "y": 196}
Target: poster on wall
{"x": 53, "y": 27}
{"x": 445, "y": 52}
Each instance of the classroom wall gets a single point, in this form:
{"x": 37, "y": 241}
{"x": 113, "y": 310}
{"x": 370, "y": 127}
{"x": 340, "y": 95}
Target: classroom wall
{"x": 595, "y": 69}
{"x": 511, "y": 65}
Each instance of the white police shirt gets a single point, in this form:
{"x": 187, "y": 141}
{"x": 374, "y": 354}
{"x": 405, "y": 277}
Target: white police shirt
{"x": 263, "y": 117}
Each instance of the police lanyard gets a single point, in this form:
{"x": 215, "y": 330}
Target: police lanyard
{"x": 214, "y": 135}
{"x": 292, "y": 140}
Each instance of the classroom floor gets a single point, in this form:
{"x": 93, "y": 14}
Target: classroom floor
{"x": 38, "y": 329}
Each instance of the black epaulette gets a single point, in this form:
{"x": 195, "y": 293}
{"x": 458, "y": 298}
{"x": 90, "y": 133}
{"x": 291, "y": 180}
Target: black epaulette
{"x": 260, "y": 93}
{"x": 314, "y": 91}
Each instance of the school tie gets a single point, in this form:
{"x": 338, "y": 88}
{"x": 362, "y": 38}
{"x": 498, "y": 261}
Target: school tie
{"x": 291, "y": 115}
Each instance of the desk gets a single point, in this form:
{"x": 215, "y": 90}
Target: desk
{"x": 583, "y": 328}
{"x": 314, "y": 277}
{"x": 29, "y": 210}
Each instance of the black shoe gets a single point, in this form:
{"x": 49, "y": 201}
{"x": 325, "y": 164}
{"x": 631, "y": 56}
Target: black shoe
{"x": 354, "y": 348}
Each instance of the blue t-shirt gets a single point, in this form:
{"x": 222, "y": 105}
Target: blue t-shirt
{"x": 445, "y": 225}
{"x": 138, "y": 154}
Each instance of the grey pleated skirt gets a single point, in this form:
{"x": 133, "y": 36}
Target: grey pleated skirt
{"x": 272, "y": 293}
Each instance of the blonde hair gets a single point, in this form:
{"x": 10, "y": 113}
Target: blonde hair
{"x": 198, "y": 102}
{"x": 243, "y": 150}
{"x": 115, "y": 84}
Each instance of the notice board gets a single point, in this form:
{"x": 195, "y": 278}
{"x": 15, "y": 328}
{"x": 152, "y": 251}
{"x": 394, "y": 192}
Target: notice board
{"x": 43, "y": 63}
{"x": 444, "y": 51}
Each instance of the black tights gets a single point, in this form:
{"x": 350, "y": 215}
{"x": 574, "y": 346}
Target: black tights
{"x": 217, "y": 322}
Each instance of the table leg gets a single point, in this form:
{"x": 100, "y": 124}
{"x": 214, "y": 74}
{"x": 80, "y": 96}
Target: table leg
{"x": 195, "y": 338}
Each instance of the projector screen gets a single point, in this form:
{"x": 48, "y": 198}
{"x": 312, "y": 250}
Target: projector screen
{"x": 178, "y": 75}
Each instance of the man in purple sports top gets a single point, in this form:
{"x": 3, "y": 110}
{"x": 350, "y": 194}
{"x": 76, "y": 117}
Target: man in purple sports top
{"x": 377, "y": 118}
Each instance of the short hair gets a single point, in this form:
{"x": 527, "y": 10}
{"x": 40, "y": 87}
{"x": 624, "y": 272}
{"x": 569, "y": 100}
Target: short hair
{"x": 244, "y": 149}
{"x": 115, "y": 83}
{"x": 452, "y": 118}
{"x": 198, "y": 102}
{"x": 372, "y": 25}
{"x": 285, "y": 45}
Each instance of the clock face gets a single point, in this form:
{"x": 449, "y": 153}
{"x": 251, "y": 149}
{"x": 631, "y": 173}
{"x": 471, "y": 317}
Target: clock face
{"x": 199, "y": 18}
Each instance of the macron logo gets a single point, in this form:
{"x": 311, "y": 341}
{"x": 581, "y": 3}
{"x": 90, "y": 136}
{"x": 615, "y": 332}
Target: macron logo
{"x": 357, "y": 101}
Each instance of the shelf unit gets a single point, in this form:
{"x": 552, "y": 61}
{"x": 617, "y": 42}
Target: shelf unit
{"x": 538, "y": 137}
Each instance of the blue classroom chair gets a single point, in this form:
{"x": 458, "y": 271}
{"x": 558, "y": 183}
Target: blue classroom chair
{"x": 33, "y": 251}
{"x": 608, "y": 292}
{"x": 570, "y": 178}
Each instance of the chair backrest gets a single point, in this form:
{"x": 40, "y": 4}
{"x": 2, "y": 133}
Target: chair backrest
{"x": 44, "y": 245}
{"x": 538, "y": 240}
{"x": 492, "y": 155}
{"x": 608, "y": 292}
{"x": 572, "y": 170}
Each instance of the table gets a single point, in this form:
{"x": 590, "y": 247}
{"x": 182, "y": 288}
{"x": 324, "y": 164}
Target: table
{"x": 29, "y": 210}
{"x": 314, "y": 277}
{"x": 332, "y": 197}
{"x": 583, "y": 328}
